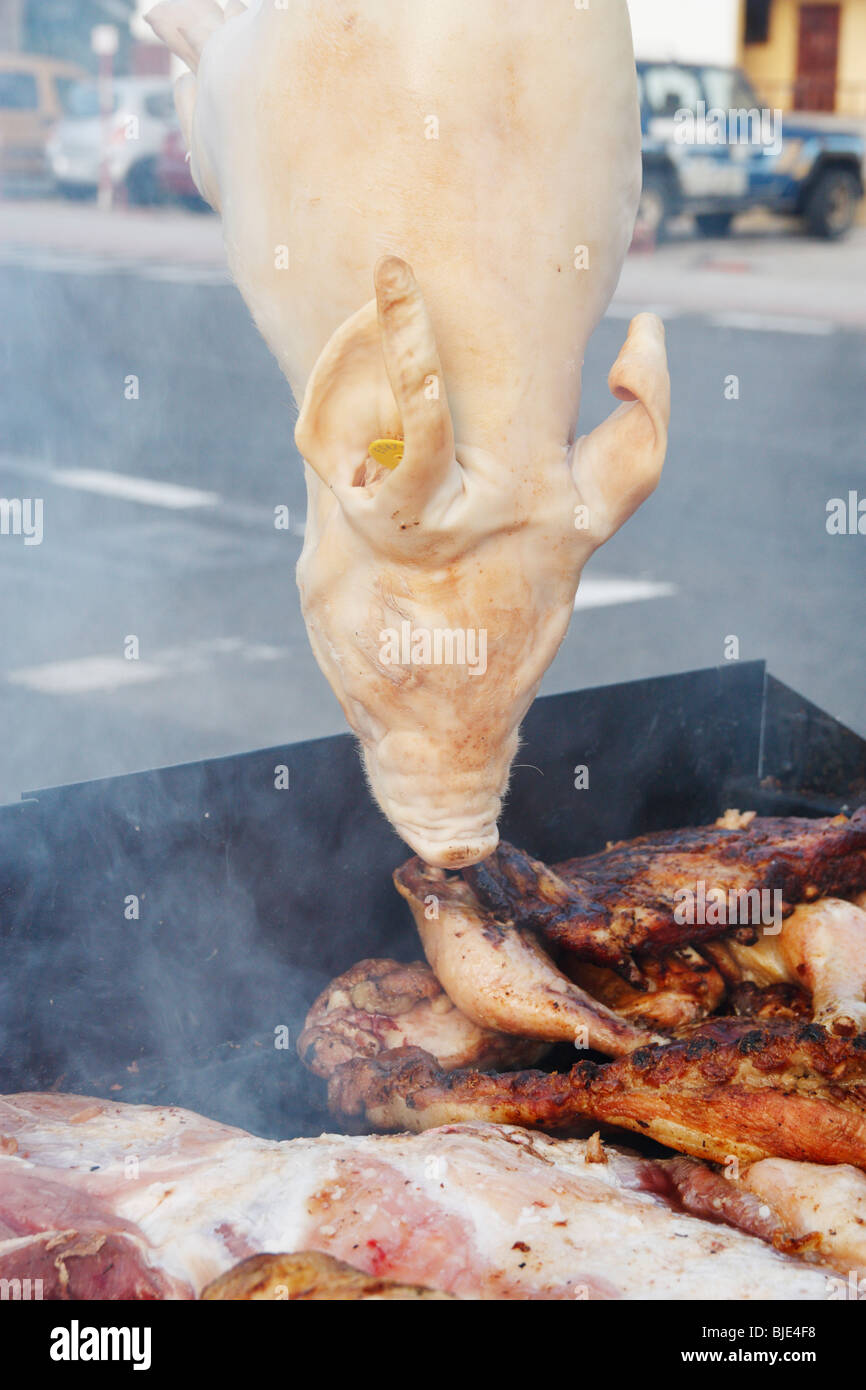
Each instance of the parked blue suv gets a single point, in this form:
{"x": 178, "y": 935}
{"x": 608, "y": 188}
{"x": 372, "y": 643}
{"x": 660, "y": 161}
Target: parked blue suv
{"x": 711, "y": 149}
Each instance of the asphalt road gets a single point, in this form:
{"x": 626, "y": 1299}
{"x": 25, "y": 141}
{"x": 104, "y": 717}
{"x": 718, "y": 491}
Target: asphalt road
{"x": 734, "y": 543}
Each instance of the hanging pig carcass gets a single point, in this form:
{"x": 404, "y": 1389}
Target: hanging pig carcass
{"x": 476, "y": 170}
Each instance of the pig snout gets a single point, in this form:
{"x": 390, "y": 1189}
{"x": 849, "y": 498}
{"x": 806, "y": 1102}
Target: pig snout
{"x": 447, "y": 813}
{"x": 458, "y": 852}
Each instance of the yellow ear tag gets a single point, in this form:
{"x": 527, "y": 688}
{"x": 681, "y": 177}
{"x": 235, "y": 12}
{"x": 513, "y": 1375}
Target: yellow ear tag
{"x": 388, "y": 452}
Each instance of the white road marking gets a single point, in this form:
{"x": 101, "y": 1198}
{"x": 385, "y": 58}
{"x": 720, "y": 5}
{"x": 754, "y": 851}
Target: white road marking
{"x": 605, "y": 592}
{"x": 90, "y": 674}
{"x": 774, "y": 323}
{"x": 152, "y": 492}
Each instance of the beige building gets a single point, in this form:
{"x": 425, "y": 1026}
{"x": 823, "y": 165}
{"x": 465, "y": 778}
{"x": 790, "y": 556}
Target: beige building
{"x": 807, "y": 56}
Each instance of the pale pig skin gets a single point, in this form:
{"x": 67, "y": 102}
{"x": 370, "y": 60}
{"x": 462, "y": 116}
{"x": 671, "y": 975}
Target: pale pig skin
{"x": 494, "y": 148}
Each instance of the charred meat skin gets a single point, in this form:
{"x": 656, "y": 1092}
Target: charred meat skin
{"x": 607, "y": 906}
{"x": 730, "y": 1089}
{"x": 748, "y": 1000}
{"x": 678, "y": 990}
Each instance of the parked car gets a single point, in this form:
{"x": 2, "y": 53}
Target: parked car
{"x": 141, "y": 110}
{"x": 32, "y": 94}
{"x": 173, "y": 173}
{"x": 811, "y": 166}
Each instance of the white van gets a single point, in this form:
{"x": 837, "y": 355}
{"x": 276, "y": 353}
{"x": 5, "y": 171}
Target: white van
{"x": 129, "y": 135}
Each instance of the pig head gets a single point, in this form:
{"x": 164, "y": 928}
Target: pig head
{"x": 477, "y": 168}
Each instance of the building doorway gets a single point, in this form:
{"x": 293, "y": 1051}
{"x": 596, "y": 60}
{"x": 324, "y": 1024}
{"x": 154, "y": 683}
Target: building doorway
{"x": 817, "y": 58}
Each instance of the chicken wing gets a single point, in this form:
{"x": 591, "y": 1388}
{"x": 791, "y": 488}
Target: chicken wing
{"x": 499, "y": 975}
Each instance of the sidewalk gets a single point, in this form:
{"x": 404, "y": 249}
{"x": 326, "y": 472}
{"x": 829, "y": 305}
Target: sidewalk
{"x": 758, "y": 272}
{"x": 766, "y": 268}
{"x": 148, "y": 234}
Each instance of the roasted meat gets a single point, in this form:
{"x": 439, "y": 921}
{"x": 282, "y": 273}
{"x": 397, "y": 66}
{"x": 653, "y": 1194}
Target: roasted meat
{"x": 821, "y": 947}
{"x": 679, "y": 989}
{"x": 826, "y": 1206}
{"x": 499, "y": 975}
{"x": 628, "y": 964}
{"x": 730, "y": 1090}
{"x": 748, "y": 1000}
{"x": 607, "y": 907}
{"x": 477, "y": 1211}
{"x": 381, "y": 1004}
{"x": 308, "y": 1278}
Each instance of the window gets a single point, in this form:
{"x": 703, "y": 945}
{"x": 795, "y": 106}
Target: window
{"x": 669, "y": 89}
{"x": 757, "y": 21}
{"x": 18, "y": 92}
{"x": 63, "y": 87}
{"x": 728, "y": 89}
{"x": 160, "y": 105}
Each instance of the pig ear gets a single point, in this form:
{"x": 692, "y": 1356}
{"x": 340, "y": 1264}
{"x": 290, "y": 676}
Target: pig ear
{"x": 415, "y": 373}
{"x": 185, "y": 26}
{"x": 380, "y": 377}
{"x": 617, "y": 466}
{"x": 348, "y": 401}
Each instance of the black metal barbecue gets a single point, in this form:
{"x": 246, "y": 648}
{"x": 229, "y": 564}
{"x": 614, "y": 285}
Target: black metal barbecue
{"x": 163, "y": 934}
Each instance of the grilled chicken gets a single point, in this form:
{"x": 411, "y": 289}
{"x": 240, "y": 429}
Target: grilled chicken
{"x": 607, "y": 907}
{"x": 628, "y": 970}
{"x": 499, "y": 975}
{"x": 616, "y": 913}
{"x": 826, "y": 1206}
{"x": 809, "y": 1210}
{"x": 731, "y": 1089}
{"x": 680, "y": 989}
{"x": 821, "y": 947}
{"x": 748, "y": 1000}
{"x": 477, "y": 1211}
{"x": 381, "y": 1004}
